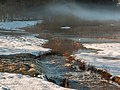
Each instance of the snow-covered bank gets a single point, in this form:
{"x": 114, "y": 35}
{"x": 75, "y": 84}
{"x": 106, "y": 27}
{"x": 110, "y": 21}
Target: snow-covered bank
{"x": 21, "y": 82}
{"x": 107, "y": 56}
{"x": 15, "y": 25}
{"x": 22, "y": 44}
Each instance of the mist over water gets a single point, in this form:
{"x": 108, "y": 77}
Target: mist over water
{"x": 84, "y": 12}
{"x": 81, "y": 11}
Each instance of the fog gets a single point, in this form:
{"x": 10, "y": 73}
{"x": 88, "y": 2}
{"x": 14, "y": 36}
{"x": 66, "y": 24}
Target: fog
{"x": 81, "y": 11}
{"x": 84, "y": 12}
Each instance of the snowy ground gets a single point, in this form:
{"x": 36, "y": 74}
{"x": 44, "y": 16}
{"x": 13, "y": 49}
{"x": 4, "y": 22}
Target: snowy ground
{"x": 21, "y": 44}
{"x": 107, "y": 56}
{"x": 17, "y": 44}
{"x": 16, "y": 25}
{"x": 20, "y": 82}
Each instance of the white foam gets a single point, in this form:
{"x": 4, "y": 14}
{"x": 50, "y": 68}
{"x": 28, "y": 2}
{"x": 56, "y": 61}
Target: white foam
{"x": 107, "y": 56}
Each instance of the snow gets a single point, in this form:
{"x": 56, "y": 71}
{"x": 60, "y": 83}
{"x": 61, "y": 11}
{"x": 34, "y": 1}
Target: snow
{"x": 22, "y": 44}
{"x": 15, "y": 25}
{"x": 106, "y": 49}
{"x": 107, "y": 56}
{"x": 22, "y": 82}
{"x": 17, "y": 44}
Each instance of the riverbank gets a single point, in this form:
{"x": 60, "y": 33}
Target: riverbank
{"x": 20, "y": 82}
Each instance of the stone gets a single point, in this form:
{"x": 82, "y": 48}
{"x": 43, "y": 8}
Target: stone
{"x": 12, "y": 67}
{"x": 116, "y": 79}
{"x": 71, "y": 58}
{"x": 65, "y": 83}
{"x": 68, "y": 65}
{"x": 104, "y": 74}
{"x": 66, "y": 54}
{"x": 31, "y": 70}
{"x": 1, "y": 65}
{"x": 32, "y": 65}
{"x": 22, "y": 69}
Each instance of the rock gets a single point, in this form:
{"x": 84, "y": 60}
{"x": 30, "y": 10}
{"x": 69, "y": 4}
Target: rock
{"x": 65, "y": 83}
{"x": 66, "y": 54}
{"x": 1, "y": 65}
{"x": 91, "y": 68}
{"x": 82, "y": 65}
{"x": 116, "y": 79}
{"x": 33, "y": 65}
{"x": 31, "y": 70}
{"x": 71, "y": 58}
{"x": 104, "y": 74}
{"x": 12, "y": 67}
{"x": 68, "y": 65}
{"x": 22, "y": 69}
{"x": 51, "y": 80}
{"x": 77, "y": 45}
{"x": 27, "y": 66}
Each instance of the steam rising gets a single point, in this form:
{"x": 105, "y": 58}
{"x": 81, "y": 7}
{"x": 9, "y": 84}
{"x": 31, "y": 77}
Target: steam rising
{"x": 84, "y": 12}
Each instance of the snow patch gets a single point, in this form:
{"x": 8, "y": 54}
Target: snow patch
{"x": 107, "y": 56}
{"x": 15, "y": 25}
{"x": 22, "y": 44}
{"x": 106, "y": 49}
{"x": 22, "y": 82}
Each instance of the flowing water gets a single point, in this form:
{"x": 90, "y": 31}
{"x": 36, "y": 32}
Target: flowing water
{"x": 104, "y": 55}
{"x": 95, "y": 42}
{"x": 61, "y": 40}
{"x": 102, "y": 43}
